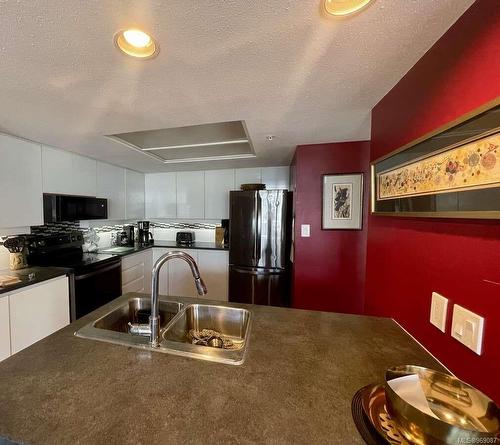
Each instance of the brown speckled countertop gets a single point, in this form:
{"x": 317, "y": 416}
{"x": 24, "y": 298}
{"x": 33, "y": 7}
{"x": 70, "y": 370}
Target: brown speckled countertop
{"x": 301, "y": 371}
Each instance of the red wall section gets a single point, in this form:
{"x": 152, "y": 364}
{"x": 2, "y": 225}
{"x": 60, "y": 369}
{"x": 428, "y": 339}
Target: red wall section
{"x": 458, "y": 74}
{"x": 407, "y": 258}
{"x": 329, "y": 266}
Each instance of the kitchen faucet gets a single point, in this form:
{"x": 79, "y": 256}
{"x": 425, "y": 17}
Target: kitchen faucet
{"x": 153, "y": 328}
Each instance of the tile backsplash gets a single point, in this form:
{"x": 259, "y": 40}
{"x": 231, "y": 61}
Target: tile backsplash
{"x": 4, "y": 258}
{"x": 52, "y": 228}
{"x": 162, "y": 231}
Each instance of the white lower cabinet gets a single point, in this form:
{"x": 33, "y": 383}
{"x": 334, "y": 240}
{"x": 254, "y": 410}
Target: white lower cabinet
{"x": 180, "y": 279}
{"x": 163, "y": 279}
{"x": 38, "y": 312}
{"x": 136, "y": 272}
{"x": 176, "y": 278}
{"x": 214, "y": 269}
{"x": 4, "y": 327}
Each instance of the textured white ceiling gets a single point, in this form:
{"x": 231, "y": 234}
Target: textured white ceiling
{"x": 279, "y": 65}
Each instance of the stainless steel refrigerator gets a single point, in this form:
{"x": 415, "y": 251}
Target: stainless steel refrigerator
{"x": 259, "y": 247}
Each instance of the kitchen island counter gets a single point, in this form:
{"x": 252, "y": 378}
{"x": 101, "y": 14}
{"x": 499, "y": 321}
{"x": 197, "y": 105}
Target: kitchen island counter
{"x": 301, "y": 370}
{"x": 30, "y": 276}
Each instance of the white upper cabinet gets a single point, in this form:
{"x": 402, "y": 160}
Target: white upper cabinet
{"x": 190, "y": 194}
{"x": 247, "y": 176}
{"x": 68, "y": 173}
{"x": 218, "y": 184}
{"x": 111, "y": 185}
{"x": 135, "y": 194}
{"x": 161, "y": 200}
{"x": 21, "y": 183}
{"x": 85, "y": 180}
{"x": 276, "y": 177}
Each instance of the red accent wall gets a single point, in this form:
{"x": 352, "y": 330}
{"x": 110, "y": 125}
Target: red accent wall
{"x": 329, "y": 266}
{"x": 407, "y": 259}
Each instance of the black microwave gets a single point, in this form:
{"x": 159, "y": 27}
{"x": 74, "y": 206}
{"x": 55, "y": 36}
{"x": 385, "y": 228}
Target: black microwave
{"x": 57, "y": 208}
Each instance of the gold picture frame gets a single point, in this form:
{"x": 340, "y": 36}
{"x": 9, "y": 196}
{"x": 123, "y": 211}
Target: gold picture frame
{"x": 473, "y": 164}
{"x": 433, "y": 178}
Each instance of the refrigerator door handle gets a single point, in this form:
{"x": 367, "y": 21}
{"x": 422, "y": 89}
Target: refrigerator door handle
{"x": 256, "y": 224}
{"x": 259, "y": 228}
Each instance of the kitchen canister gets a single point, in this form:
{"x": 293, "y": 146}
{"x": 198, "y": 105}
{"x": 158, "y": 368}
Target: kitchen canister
{"x": 17, "y": 260}
{"x": 219, "y": 236}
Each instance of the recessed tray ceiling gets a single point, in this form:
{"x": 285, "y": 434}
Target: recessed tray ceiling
{"x": 207, "y": 142}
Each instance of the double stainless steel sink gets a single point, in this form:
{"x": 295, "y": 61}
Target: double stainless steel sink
{"x": 177, "y": 322}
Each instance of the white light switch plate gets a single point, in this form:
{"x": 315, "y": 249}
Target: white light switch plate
{"x": 439, "y": 310}
{"x": 305, "y": 230}
{"x": 467, "y": 327}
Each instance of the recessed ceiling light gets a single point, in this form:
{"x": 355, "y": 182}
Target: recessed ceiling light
{"x": 136, "y": 38}
{"x": 344, "y": 7}
{"x": 136, "y": 43}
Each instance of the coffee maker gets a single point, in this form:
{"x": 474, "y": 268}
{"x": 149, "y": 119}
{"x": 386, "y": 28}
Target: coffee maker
{"x": 145, "y": 236}
{"x": 129, "y": 230}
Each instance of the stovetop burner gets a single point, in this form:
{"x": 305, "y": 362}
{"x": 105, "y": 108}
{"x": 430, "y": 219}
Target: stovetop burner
{"x": 80, "y": 260}
{"x": 63, "y": 250}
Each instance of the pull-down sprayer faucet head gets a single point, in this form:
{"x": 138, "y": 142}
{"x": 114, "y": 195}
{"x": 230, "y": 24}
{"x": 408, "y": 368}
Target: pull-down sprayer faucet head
{"x": 200, "y": 286}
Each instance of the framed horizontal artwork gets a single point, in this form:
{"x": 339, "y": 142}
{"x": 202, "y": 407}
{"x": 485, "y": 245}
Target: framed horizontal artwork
{"x": 452, "y": 173}
{"x": 342, "y": 202}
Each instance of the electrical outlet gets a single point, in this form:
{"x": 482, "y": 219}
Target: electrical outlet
{"x": 439, "y": 311}
{"x": 467, "y": 327}
{"x": 305, "y": 230}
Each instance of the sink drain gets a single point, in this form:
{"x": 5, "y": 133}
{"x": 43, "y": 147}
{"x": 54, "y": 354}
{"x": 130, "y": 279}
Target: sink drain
{"x": 211, "y": 338}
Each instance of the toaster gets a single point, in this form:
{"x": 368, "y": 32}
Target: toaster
{"x": 184, "y": 238}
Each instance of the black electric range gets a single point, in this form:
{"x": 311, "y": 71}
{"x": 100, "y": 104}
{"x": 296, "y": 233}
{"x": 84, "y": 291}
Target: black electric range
{"x": 96, "y": 277}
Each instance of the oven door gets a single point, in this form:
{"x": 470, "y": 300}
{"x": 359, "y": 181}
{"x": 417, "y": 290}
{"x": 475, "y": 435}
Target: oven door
{"x": 95, "y": 286}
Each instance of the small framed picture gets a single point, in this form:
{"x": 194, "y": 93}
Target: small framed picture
{"x": 342, "y": 202}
